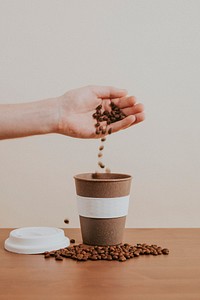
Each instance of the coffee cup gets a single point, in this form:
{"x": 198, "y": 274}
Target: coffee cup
{"x": 103, "y": 201}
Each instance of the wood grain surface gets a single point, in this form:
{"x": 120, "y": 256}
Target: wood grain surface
{"x": 173, "y": 276}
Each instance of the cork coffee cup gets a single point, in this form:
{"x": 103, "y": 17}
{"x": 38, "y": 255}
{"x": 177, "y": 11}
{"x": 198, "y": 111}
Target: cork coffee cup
{"x": 102, "y": 206}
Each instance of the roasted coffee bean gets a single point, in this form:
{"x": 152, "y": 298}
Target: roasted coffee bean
{"x": 101, "y": 165}
{"x": 94, "y": 257}
{"x": 72, "y": 241}
{"x": 79, "y": 256}
{"x": 109, "y": 257}
{"x": 58, "y": 257}
{"x": 85, "y": 258}
{"x": 100, "y": 154}
{"x": 108, "y": 170}
{"x": 136, "y": 254}
{"x": 99, "y": 107}
{"x": 47, "y": 255}
{"x": 108, "y": 122}
{"x": 103, "y": 139}
{"x": 115, "y": 257}
{"x": 165, "y": 251}
{"x": 97, "y": 124}
{"x": 122, "y": 258}
{"x": 109, "y": 130}
{"x": 101, "y": 147}
{"x": 97, "y": 131}
{"x": 106, "y": 113}
{"x": 66, "y": 221}
{"x": 103, "y": 131}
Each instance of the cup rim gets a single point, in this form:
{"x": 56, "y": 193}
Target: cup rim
{"x": 103, "y": 177}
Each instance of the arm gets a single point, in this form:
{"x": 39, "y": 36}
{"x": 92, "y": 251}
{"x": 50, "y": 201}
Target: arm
{"x": 70, "y": 114}
{"x": 26, "y": 119}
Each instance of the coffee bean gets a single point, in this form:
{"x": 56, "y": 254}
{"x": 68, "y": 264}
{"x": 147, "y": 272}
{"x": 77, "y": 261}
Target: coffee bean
{"x": 109, "y": 130}
{"x": 47, "y": 255}
{"x": 66, "y": 221}
{"x": 97, "y": 131}
{"x": 99, "y": 107}
{"x": 136, "y": 254}
{"x": 108, "y": 122}
{"x": 165, "y": 251}
{"x": 115, "y": 257}
{"x": 79, "y": 256}
{"x": 105, "y": 118}
{"x": 109, "y": 257}
{"x": 72, "y": 241}
{"x": 94, "y": 257}
{"x": 107, "y": 170}
{"x": 101, "y": 147}
{"x": 103, "y": 139}
{"x": 101, "y": 165}
{"x": 100, "y": 154}
{"x": 106, "y": 113}
{"x": 122, "y": 258}
{"x": 58, "y": 257}
{"x": 97, "y": 124}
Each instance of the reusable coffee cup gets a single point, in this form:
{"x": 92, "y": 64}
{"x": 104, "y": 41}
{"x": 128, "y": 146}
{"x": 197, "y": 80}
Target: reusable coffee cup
{"x": 103, "y": 202}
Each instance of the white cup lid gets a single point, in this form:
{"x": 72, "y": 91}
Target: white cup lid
{"x": 33, "y": 240}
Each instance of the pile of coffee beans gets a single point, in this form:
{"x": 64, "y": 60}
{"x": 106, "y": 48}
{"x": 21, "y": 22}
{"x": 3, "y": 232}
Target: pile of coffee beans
{"x": 103, "y": 119}
{"x": 120, "y": 252}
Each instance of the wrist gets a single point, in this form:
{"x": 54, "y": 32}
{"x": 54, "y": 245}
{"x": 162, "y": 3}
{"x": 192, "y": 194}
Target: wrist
{"x": 52, "y": 112}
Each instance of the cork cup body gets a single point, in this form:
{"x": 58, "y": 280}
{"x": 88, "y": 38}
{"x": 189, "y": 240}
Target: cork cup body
{"x": 102, "y": 206}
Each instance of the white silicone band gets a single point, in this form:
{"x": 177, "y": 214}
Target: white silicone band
{"x": 103, "y": 207}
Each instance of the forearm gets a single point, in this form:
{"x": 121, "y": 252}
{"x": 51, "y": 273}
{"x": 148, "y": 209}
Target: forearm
{"x": 26, "y": 119}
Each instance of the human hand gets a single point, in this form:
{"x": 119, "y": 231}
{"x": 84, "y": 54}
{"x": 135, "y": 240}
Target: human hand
{"x": 76, "y": 108}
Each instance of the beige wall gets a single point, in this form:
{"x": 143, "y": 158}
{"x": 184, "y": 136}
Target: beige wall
{"x": 149, "y": 47}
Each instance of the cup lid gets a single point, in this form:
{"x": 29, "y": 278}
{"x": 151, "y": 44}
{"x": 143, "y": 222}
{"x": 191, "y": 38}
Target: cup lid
{"x": 34, "y": 240}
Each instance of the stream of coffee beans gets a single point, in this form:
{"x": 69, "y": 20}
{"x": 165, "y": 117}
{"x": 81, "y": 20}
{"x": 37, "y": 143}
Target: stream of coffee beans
{"x": 103, "y": 119}
{"x": 120, "y": 252}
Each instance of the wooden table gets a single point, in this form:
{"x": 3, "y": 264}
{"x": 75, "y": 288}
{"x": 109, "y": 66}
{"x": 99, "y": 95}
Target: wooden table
{"x": 173, "y": 276}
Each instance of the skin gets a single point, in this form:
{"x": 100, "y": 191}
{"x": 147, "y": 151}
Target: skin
{"x": 69, "y": 114}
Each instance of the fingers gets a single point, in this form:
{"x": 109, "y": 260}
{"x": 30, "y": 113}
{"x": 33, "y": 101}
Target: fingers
{"x": 127, "y": 122}
{"x": 123, "y": 124}
{"x": 110, "y": 92}
{"x": 125, "y": 101}
{"x": 137, "y": 108}
{"x": 140, "y": 117}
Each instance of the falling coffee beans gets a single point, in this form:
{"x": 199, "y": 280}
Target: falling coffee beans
{"x": 120, "y": 252}
{"x": 103, "y": 119}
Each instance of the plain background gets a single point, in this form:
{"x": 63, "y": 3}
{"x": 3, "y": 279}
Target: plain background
{"x": 151, "y": 48}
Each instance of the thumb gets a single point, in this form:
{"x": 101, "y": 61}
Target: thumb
{"x": 110, "y": 92}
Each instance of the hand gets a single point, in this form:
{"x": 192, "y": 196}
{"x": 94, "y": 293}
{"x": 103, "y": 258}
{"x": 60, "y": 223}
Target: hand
{"x": 76, "y": 108}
